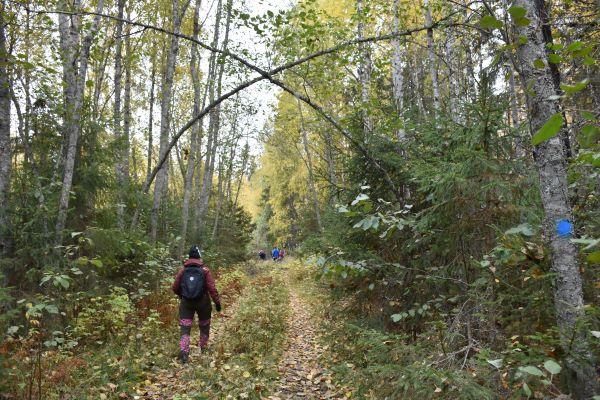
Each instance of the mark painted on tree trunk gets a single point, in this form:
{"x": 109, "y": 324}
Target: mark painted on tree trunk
{"x": 564, "y": 228}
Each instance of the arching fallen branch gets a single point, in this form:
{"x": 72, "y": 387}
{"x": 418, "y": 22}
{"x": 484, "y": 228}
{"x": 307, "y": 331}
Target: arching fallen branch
{"x": 263, "y": 75}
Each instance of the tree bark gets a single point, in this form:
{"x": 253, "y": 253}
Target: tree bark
{"x": 162, "y": 178}
{"x": 309, "y": 164}
{"x": 214, "y": 118}
{"x": 433, "y": 70}
{"x": 551, "y": 164}
{"x": 117, "y": 111}
{"x": 125, "y": 165}
{"x": 398, "y": 75}
{"x": 5, "y": 145}
{"x": 365, "y": 68}
{"x": 75, "y": 54}
{"x": 194, "y": 139}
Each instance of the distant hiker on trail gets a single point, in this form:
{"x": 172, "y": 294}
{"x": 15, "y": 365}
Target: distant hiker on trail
{"x": 275, "y": 253}
{"x": 281, "y": 254}
{"x": 262, "y": 255}
{"x": 193, "y": 284}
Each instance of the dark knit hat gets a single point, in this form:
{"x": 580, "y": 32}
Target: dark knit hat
{"x": 195, "y": 252}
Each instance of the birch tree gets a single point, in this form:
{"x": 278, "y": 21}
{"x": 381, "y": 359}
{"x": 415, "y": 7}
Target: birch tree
{"x": 5, "y": 144}
{"x": 433, "y": 69}
{"x": 551, "y": 165}
{"x": 75, "y": 51}
{"x": 162, "y": 178}
{"x": 193, "y": 163}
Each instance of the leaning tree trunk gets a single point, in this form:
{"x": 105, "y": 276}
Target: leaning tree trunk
{"x": 162, "y": 178}
{"x": 550, "y": 160}
{"x": 194, "y": 139}
{"x": 5, "y": 146}
{"x": 75, "y": 57}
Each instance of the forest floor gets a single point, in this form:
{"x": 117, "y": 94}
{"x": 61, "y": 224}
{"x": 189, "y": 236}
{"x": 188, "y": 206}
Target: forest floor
{"x": 290, "y": 368}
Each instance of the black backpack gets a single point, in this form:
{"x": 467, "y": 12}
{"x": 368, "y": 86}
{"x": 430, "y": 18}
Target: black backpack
{"x": 192, "y": 283}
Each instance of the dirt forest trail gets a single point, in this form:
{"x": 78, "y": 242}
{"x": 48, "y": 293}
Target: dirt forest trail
{"x": 298, "y": 373}
{"x": 301, "y": 375}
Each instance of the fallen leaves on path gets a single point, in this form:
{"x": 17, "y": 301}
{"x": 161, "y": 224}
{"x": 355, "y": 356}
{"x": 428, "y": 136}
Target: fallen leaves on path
{"x": 301, "y": 375}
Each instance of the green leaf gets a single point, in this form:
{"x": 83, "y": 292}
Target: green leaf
{"x": 522, "y": 40}
{"x": 496, "y": 363}
{"x": 517, "y": 12}
{"x": 526, "y": 389}
{"x": 552, "y": 366}
{"x": 522, "y": 21}
{"x": 359, "y": 198}
{"x": 549, "y": 130}
{"x": 594, "y": 258}
{"x": 532, "y": 370}
{"x": 588, "y": 61}
{"x": 52, "y": 309}
{"x": 490, "y": 22}
{"x": 575, "y": 46}
{"x": 396, "y": 317}
{"x": 523, "y": 229}
{"x": 588, "y": 115}
{"x": 576, "y": 87}
{"x": 554, "y": 58}
{"x": 539, "y": 64}
{"x": 589, "y": 136}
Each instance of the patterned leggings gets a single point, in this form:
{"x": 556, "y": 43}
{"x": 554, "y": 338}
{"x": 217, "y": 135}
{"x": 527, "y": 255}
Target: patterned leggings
{"x": 187, "y": 309}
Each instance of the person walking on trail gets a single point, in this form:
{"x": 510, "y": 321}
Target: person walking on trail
{"x": 275, "y": 253}
{"x": 262, "y": 255}
{"x": 195, "y": 286}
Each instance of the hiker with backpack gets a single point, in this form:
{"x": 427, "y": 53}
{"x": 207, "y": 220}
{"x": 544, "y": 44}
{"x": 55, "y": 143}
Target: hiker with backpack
{"x": 275, "y": 253}
{"x": 195, "y": 287}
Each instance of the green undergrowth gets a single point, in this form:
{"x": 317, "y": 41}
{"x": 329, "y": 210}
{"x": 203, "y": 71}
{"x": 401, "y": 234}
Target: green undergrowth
{"x": 244, "y": 361}
{"x": 378, "y": 364}
{"x": 115, "y": 344}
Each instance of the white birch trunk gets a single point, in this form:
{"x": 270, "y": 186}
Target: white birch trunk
{"x": 117, "y": 111}
{"x": 75, "y": 57}
{"x": 5, "y": 145}
{"x": 433, "y": 70}
{"x": 398, "y": 75}
{"x": 365, "y": 68}
{"x": 162, "y": 178}
{"x": 194, "y": 140}
{"x": 309, "y": 165}
{"x": 550, "y": 160}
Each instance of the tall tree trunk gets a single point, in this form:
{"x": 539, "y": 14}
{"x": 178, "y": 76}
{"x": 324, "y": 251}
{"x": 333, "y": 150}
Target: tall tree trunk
{"x": 550, "y": 160}
{"x": 162, "y": 178}
{"x": 125, "y": 165}
{"x": 309, "y": 165}
{"x": 365, "y": 68}
{"x": 219, "y": 198}
{"x": 194, "y": 139}
{"x": 117, "y": 111}
{"x": 453, "y": 87}
{"x": 433, "y": 70}
{"x": 214, "y": 117}
{"x": 5, "y": 145}
{"x": 398, "y": 75}
{"x": 75, "y": 54}
{"x": 151, "y": 117}
{"x": 514, "y": 113}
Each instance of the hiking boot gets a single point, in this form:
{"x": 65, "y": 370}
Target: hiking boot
{"x": 183, "y": 357}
